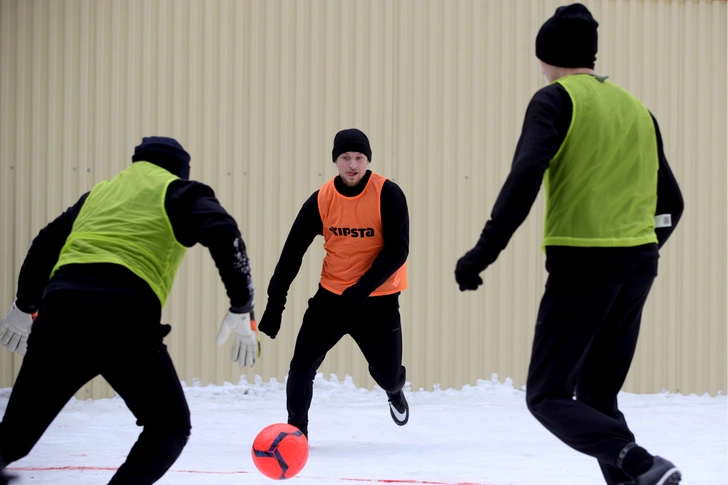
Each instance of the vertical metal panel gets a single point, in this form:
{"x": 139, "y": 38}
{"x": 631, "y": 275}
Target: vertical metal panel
{"x": 8, "y": 364}
{"x": 255, "y": 90}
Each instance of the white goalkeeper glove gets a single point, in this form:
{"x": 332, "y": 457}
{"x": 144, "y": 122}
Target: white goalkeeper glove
{"x": 246, "y": 346}
{"x": 14, "y": 330}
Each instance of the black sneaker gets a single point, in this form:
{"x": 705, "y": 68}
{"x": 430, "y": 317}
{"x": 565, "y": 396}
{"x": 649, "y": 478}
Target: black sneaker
{"x": 302, "y": 427}
{"x": 662, "y": 472}
{"x": 398, "y": 408}
{"x": 5, "y": 479}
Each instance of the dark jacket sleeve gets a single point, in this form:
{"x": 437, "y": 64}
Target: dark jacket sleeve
{"x": 305, "y": 228}
{"x": 43, "y": 256}
{"x": 544, "y": 129}
{"x": 197, "y": 217}
{"x": 395, "y": 232}
{"x": 669, "y": 196}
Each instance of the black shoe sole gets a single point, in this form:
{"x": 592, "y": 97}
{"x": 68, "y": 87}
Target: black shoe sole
{"x": 673, "y": 479}
{"x": 6, "y": 479}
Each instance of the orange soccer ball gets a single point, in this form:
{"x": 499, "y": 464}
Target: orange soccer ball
{"x": 280, "y": 451}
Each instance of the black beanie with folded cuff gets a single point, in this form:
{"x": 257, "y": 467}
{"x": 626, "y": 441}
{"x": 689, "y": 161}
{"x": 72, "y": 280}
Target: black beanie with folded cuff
{"x": 569, "y": 38}
{"x": 164, "y": 152}
{"x": 351, "y": 140}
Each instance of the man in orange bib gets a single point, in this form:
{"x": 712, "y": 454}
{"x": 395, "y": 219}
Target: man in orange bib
{"x": 364, "y": 220}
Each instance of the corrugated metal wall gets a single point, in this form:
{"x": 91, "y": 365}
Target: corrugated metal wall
{"x": 256, "y": 89}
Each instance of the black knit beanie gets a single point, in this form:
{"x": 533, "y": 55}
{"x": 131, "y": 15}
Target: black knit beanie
{"x": 164, "y": 152}
{"x": 569, "y": 38}
{"x": 351, "y": 140}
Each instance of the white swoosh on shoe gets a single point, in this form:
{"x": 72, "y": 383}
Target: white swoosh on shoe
{"x": 397, "y": 414}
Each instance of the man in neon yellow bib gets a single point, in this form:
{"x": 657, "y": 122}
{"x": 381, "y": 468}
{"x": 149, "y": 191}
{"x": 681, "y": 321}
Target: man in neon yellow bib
{"x": 99, "y": 276}
{"x": 611, "y": 203}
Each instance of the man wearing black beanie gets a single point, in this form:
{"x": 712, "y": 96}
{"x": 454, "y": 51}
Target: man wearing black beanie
{"x": 98, "y": 277}
{"x": 611, "y": 204}
{"x": 364, "y": 221}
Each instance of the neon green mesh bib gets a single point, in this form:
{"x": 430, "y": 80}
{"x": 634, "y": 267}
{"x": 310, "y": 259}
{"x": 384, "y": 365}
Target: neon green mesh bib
{"x": 601, "y": 187}
{"x": 135, "y": 232}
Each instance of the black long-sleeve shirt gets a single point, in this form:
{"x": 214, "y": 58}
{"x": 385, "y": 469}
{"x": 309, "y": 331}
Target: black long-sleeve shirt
{"x": 196, "y": 216}
{"x": 308, "y": 225}
{"x": 545, "y": 127}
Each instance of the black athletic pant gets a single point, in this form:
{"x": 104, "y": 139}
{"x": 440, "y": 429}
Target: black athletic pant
{"x": 376, "y": 329}
{"x": 583, "y": 346}
{"x": 79, "y": 335}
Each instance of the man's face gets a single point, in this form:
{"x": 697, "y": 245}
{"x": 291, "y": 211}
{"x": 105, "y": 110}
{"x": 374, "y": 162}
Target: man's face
{"x": 352, "y": 167}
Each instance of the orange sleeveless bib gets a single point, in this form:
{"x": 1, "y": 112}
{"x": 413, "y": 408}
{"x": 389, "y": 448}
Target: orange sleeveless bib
{"x": 353, "y": 237}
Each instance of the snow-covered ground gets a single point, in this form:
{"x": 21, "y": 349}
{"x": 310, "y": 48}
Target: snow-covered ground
{"x": 477, "y": 435}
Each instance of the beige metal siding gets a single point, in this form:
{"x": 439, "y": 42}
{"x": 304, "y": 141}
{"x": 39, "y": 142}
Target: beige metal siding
{"x": 255, "y": 90}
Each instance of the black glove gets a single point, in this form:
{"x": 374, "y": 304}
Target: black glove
{"x": 352, "y": 299}
{"x": 270, "y": 322}
{"x": 468, "y": 269}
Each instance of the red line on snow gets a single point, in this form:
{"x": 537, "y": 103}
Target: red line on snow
{"x": 418, "y": 482}
{"x": 203, "y": 472}
{"x": 112, "y": 468}
{"x": 59, "y": 468}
